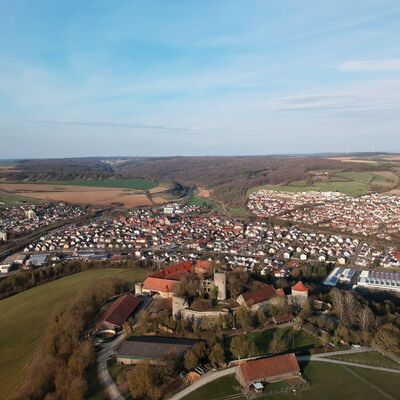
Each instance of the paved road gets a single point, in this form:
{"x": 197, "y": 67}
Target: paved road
{"x": 102, "y": 371}
{"x": 108, "y": 350}
{"x": 204, "y": 380}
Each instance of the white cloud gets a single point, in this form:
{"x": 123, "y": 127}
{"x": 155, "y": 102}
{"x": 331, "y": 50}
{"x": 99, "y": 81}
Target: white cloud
{"x": 382, "y": 65}
{"x": 381, "y": 95}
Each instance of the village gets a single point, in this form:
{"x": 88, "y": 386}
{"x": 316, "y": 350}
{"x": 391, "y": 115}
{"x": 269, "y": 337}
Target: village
{"x": 25, "y": 218}
{"x": 374, "y": 214}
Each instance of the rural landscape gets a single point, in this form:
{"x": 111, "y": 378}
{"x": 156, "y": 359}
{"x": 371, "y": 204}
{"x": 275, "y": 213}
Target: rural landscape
{"x": 199, "y": 200}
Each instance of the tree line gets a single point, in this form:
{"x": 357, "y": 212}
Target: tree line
{"x": 58, "y": 370}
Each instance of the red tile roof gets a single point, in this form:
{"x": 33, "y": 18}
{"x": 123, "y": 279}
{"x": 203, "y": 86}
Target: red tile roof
{"x": 120, "y": 310}
{"x": 174, "y": 271}
{"x": 300, "y": 287}
{"x": 160, "y": 285}
{"x": 265, "y": 293}
{"x": 268, "y": 368}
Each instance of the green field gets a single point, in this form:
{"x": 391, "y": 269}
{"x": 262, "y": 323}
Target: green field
{"x": 350, "y": 183}
{"x": 10, "y": 199}
{"x": 240, "y": 212}
{"x": 132, "y": 183}
{"x": 202, "y": 202}
{"x": 328, "y": 382}
{"x": 296, "y": 340}
{"x": 373, "y": 358}
{"x": 23, "y": 319}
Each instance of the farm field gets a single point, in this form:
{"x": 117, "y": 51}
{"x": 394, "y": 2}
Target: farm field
{"x": 23, "y": 319}
{"x": 102, "y": 196}
{"x": 9, "y": 199}
{"x": 328, "y": 382}
{"x": 132, "y": 183}
{"x": 350, "y": 183}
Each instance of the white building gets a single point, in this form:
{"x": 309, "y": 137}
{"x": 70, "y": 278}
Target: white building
{"x": 3, "y": 236}
{"x": 379, "y": 280}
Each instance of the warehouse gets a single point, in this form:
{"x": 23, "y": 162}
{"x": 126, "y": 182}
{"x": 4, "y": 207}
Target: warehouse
{"x": 380, "y": 280}
{"x": 153, "y": 349}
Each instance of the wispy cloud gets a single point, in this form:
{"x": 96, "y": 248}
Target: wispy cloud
{"x": 382, "y": 95}
{"x": 381, "y": 65}
{"x": 116, "y": 124}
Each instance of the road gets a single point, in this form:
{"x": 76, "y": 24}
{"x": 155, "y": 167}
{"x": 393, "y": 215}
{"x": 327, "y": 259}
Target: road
{"x": 108, "y": 350}
{"x": 102, "y": 371}
{"x": 204, "y": 380}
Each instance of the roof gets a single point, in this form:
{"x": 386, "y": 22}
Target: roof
{"x": 174, "y": 271}
{"x": 151, "y": 347}
{"x": 120, "y": 309}
{"x": 264, "y": 293}
{"x": 281, "y": 318}
{"x": 268, "y": 368}
{"x": 160, "y": 285}
{"x": 300, "y": 287}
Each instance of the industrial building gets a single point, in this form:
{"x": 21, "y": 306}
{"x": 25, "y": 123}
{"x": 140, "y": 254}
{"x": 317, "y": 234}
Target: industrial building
{"x": 152, "y": 349}
{"x": 381, "y": 280}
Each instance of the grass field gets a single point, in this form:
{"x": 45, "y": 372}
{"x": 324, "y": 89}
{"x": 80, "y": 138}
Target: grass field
{"x": 23, "y": 319}
{"x": 373, "y": 358}
{"x": 9, "y": 199}
{"x": 350, "y": 183}
{"x": 240, "y": 212}
{"x": 296, "y": 340}
{"x": 132, "y": 183}
{"x": 201, "y": 202}
{"x": 328, "y": 382}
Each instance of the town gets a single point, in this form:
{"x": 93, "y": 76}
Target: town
{"x": 374, "y": 214}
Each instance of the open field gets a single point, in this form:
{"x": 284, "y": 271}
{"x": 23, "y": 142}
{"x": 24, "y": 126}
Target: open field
{"x": 9, "y": 199}
{"x": 201, "y": 202}
{"x": 23, "y": 319}
{"x": 132, "y": 183}
{"x": 373, "y": 358}
{"x": 350, "y": 183}
{"x": 79, "y": 194}
{"x": 328, "y": 382}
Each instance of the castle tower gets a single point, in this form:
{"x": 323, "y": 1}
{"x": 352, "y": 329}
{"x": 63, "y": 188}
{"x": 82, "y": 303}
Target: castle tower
{"x": 220, "y": 283}
{"x": 138, "y": 288}
{"x": 178, "y": 304}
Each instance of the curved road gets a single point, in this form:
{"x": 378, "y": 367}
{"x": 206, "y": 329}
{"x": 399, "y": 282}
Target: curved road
{"x": 204, "y": 380}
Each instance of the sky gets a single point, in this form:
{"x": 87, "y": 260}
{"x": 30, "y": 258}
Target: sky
{"x": 189, "y": 77}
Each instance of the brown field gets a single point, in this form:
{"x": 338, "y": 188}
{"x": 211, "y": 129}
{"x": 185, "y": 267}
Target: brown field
{"x": 79, "y": 194}
{"x": 204, "y": 192}
{"x": 351, "y": 159}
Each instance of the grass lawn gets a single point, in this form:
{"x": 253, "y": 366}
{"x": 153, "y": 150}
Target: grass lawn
{"x": 296, "y": 340}
{"x": 10, "y": 199}
{"x": 132, "y": 183}
{"x": 328, "y": 382}
{"x": 24, "y": 317}
{"x": 373, "y": 358}
{"x": 219, "y": 389}
{"x": 202, "y": 202}
{"x": 239, "y": 212}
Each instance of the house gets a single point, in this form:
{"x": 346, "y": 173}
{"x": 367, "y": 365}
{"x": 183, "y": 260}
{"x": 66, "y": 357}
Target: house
{"x": 283, "y": 319}
{"x": 118, "y": 312}
{"x": 269, "y": 370}
{"x": 261, "y": 298}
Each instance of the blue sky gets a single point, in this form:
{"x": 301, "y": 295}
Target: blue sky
{"x": 93, "y": 78}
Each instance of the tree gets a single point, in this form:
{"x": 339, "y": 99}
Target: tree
{"x": 242, "y": 347}
{"x": 244, "y": 319}
{"x": 279, "y": 342}
{"x": 238, "y": 281}
{"x": 190, "y": 360}
{"x": 217, "y": 356}
{"x": 143, "y": 382}
{"x": 388, "y": 338}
